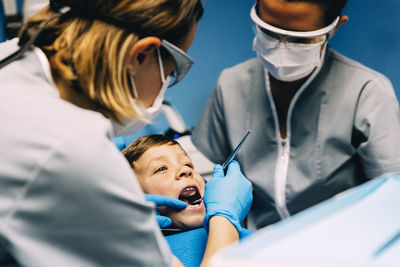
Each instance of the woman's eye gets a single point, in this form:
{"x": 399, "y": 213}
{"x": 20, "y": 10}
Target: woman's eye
{"x": 160, "y": 169}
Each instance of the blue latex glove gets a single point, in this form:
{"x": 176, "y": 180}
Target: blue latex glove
{"x": 229, "y": 196}
{"x": 159, "y": 201}
{"x": 245, "y": 233}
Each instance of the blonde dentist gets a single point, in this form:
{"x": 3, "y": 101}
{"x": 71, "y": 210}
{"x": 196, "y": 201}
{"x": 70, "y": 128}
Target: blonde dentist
{"x": 81, "y": 72}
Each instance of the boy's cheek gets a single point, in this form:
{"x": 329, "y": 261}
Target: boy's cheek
{"x": 166, "y": 211}
{"x": 162, "y": 210}
{"x": 201, "y": 183}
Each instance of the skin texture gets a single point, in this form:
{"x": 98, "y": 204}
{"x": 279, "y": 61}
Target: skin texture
{"x": 221, "y": 234}
{"x": 167, "y": 170}
{"x": 294, "y": 16}
{"x": 144, "y": 68}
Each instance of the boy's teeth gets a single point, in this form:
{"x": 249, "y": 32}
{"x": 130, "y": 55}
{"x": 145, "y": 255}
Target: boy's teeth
{"x": 188, "y": 192}
{"x": 197, "y": 202}
{"x": 190, "y": 189}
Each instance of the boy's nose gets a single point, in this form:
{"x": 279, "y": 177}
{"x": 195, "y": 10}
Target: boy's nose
{"x": 185, "y": 173}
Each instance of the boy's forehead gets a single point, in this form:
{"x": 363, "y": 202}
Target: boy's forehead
{"x": 165, "y": 151}
{"x": 170, "y": 148}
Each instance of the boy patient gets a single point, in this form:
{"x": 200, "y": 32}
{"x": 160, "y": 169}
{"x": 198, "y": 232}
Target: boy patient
{"x": 162, "y": 167}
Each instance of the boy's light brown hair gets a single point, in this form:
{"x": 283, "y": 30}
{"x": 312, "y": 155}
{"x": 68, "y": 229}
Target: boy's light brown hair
{"x": 135, "y": 150}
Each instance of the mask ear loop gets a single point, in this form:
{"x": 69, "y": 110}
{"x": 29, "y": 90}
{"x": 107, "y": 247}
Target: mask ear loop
{"x": 135, "y": 100}
{"x": 160, "y": 64}
{"x": 135, "y": 92}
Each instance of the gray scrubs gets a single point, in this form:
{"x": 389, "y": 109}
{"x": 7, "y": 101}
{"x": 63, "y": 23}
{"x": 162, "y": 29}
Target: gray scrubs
{"x": 343, "y": 127}
{"x": 67, "y": 195}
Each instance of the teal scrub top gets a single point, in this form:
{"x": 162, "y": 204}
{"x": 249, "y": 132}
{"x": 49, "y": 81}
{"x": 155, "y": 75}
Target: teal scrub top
{"x": 343, "y": 128}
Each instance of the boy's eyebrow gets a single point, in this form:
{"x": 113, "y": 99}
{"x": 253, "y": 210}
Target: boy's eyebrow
{"x": 158, "y": 158}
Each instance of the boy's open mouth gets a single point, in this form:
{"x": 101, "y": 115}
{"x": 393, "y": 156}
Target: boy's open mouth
{"x": 191, "y": 196}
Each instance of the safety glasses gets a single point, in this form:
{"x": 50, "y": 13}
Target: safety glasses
{"x": 182, "y": 61}
{"x": 293, "y": 37}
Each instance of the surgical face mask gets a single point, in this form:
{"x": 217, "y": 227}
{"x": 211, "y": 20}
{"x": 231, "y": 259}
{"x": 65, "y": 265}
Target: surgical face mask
{"x": 289, "y": 55}
{"x": 287, "y": 63}
{"x": 134, "y": 125}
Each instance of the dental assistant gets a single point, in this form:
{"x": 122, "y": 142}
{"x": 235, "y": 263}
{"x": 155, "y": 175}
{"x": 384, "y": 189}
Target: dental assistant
{"x": 82, "y": 72}
{"x": 321, "y": 122}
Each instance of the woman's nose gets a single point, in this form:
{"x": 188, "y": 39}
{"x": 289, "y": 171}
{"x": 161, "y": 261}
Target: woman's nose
{"x": 185, "y": 173}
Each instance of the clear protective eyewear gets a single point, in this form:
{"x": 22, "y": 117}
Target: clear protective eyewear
{"x": 293, "y": 37}
{"x": 182, "y": 61}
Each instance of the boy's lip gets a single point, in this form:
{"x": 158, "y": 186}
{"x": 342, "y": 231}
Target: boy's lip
{"x": 193, "y": 208}
{"x": 189, "y": 186}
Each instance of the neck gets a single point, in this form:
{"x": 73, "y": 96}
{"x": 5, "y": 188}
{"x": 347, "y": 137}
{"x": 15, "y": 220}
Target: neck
{"x": 283, "y": 93}
{"x": 283, "y": 88}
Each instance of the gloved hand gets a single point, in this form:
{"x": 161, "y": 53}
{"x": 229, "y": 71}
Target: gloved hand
{"x": 229, "y": 196}
{"x": 245, "y": 233}
{"x": 159, "y": 201}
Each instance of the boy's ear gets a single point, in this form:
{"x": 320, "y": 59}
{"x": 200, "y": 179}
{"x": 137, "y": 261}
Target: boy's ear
{"x": 141, "y": 52}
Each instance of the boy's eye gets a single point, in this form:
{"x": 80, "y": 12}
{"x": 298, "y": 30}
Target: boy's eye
{"x": 160, "y": 169}
{"x": 190, "y": 165}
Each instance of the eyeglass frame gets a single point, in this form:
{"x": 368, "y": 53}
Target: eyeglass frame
{"x": 287, "y": 36}
{"x": 183, "y": 61}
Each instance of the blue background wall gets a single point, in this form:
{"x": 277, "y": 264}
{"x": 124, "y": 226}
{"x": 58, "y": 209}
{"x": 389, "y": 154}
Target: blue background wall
{"x": 224, "y": 38}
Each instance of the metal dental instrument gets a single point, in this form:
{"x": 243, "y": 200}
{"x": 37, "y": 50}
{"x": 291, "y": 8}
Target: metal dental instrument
{"x": 232, "y": 156}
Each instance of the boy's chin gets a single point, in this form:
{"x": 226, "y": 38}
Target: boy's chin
{"x": 187, "y": 223}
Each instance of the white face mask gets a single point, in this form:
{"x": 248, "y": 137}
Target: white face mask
{"x": 134, "y": 125}
{"x": 287, "y": 63}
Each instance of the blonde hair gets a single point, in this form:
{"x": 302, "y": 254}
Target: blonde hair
{"x": 89, "y": 53}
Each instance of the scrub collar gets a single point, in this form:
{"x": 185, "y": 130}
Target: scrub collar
{"x": 45, "y": 64}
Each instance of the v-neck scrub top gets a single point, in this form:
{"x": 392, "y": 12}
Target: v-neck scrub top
{"x": 343, "y": 127}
